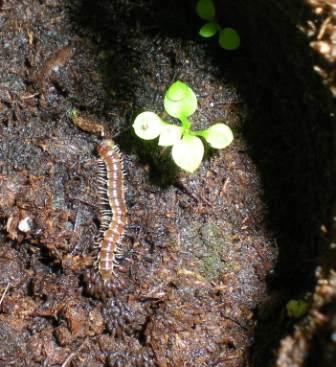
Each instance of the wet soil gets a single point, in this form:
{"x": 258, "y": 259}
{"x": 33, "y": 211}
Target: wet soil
{"x": 201, "y": 263}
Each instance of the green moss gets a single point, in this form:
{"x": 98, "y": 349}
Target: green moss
{"x": 214, "y": 242}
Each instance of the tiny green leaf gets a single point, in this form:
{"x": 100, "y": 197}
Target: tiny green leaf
{"x": 206, "y": 9}
{"x": 208, "y": 30}
{"x": 180, "y": 101}
{"x": 73, "y": 113}
{"x": 169, "y": 135}
{"x": 219, "y": 136}
{"x": 229, "y": 39}
{"x": 188, "y": 153}
{"x": 296, "y": 308}
{"x": 147, "y": 125}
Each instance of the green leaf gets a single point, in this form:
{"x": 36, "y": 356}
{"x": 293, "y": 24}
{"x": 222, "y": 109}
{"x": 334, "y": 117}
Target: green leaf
{"x": 180, "y": 101}
{"x": 229, "y": 39}
{"x": 73, "y": 113}
{"x": 296, "y": 308}
{"x": 208, "y": 30}
{"x": 206, "y": 9}
{"x": 188, "y": 153}
{"x": 147, "y": 125}
{"x": 169, "y": 135}
{"x": 219, "y": 136}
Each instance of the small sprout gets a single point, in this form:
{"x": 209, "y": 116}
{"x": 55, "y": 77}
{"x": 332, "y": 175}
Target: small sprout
{"x": 206, "y": 9}
{"x": 73, "y": 113}
{"x": 228, "y": 37}
{"x": 147, "y": 125}
{"x": 187, "y": 148}
{"x": 296, "y": 308}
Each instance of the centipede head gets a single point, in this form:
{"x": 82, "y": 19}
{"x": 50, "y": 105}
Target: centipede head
{"x": 105, "y": 146}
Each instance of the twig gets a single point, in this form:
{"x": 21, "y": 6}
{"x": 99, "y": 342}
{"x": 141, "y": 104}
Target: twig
{"x": 4, "y": 293}
{"x": 185, "y": 190}
{"x": 29, "y": 96}
{"x": 73, "y": 354}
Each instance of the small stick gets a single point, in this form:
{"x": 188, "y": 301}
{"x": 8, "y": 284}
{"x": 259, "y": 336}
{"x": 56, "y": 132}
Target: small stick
{"x": 73, "y": 354}
{"x": 4, "y": 293}
{"x": 29, "y": 96}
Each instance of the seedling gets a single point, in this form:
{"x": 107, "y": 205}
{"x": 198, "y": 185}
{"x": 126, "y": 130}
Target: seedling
{"x": 187, "y": 148}
{"x": 228, "y": 38}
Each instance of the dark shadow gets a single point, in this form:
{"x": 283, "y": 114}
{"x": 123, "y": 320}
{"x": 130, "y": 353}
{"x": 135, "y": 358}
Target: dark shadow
{"x": 289, "y": 129}
{"x": 291, "y": 136}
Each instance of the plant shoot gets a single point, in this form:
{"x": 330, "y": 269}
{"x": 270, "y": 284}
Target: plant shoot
{"x": 187, "y": 147}
{"x": 228, "y": 38}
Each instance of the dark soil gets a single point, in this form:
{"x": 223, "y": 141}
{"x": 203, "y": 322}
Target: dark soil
{"x": 200, "y": 248}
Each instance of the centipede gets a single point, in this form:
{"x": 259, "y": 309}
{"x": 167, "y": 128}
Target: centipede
{"x": 113, "y": 207}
